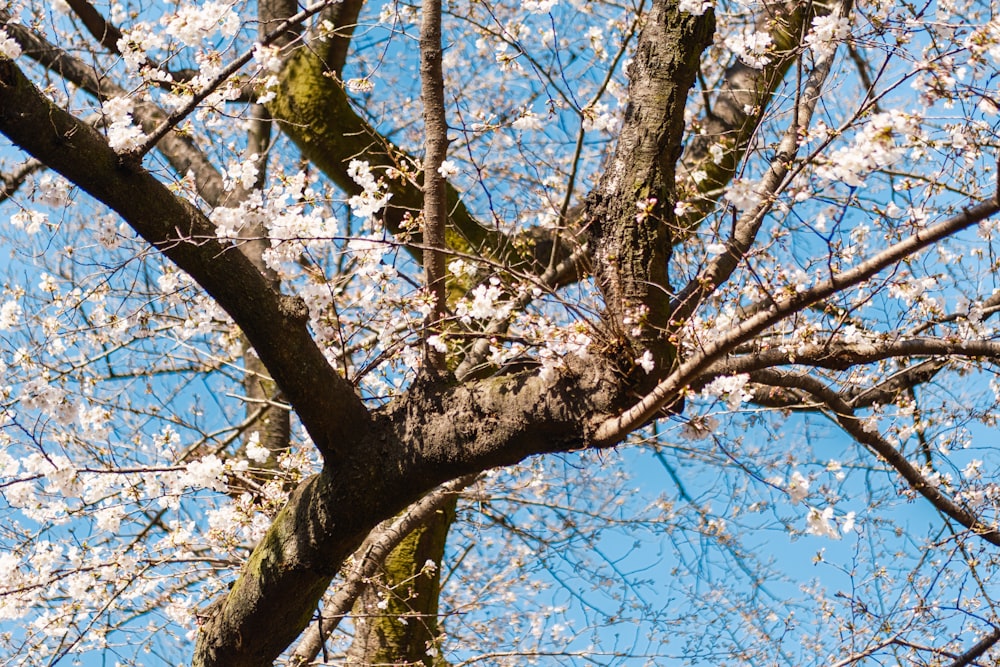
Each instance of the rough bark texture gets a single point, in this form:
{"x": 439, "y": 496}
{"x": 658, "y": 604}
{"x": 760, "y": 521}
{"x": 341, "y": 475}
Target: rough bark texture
{"x": 431, "y": 434}
{"x": 631, "y": 213}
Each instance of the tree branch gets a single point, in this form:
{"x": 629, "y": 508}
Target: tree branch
{"x": 181, "y": 152}
{"x": 435, "y": 151}
{"x": 745, "y": 231}
{"x": 864, "y": 433}
{"x": 736, "y": 109}
{"x": 630, "y": 215}
{"x": 274, "y": 324}
{"x": 366, "y": 561}
{"x": 770, "y": 312}
{"x": 977, "y": 650}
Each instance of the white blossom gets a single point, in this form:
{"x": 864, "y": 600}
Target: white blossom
{"x": 730, "y": 387}
{"x": 821, "y": 523}
{"x": 192, "y": 24}
{"x": 10, "y": 314}
{"x": 826, "y": 31}
{"x": 695, "y": 7}
{"x": 8, "y": 47}
{"x": 798, "y": 488}
{"x": 255, "y": 451}
{"x": 751, "y": 46}
{"x": 646, "y": 361}
{"x": 207, "y": 473}
{"x": 447, "y": 169}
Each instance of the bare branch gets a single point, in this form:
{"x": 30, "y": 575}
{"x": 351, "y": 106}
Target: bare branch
{"x": 435, "y": 151}
{"x": 869, "y": 436}
{"x": 13, "y": 181}
{"x": 745, "y": 231}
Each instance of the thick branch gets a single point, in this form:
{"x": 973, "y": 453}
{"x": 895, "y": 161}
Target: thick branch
{"x": 631, "y": 212}
{"x": 841, "y": 356}
{"x": 431, "y": 434}
{"x": 275, "y": 325}
{"x": 99, "y": 28}
{"x": 978, "y": 649}
{"x": 771, "y": 312}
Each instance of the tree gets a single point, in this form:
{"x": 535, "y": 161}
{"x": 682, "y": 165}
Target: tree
{"x": 286, "y": 279}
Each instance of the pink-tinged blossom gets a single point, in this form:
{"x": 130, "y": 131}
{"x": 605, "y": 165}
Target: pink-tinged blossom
{"x": 136, "y": 42}
{"x": 743, "y": 194}
{"x": 848, "y": 524}
{"x": 873, "y": 148}
{"x": 255, "y": 451}
{"x": 30, "y": 221}
{"x": 528, "y": 120}
{"x": 729, "y": 387}
{"x": 646, "y": 361}
{"x": 267, "y": 58}
{"x": 447, "y": 169}
{"x": 373, "y": 197}
{"x": 484, "y": 304}
{"x": 539, "y": 6}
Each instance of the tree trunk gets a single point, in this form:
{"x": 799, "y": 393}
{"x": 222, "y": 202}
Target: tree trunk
{"x": 395, "y": 619}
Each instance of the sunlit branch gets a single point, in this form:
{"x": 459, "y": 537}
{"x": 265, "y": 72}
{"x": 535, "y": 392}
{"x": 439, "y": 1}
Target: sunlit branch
{"x": 435, "y": 151}
{"x": 841, "y": 356}
{"x": 772, "y": 312}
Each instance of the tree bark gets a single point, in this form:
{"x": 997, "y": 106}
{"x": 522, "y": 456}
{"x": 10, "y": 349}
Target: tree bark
{"x": 631, "y": 213}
